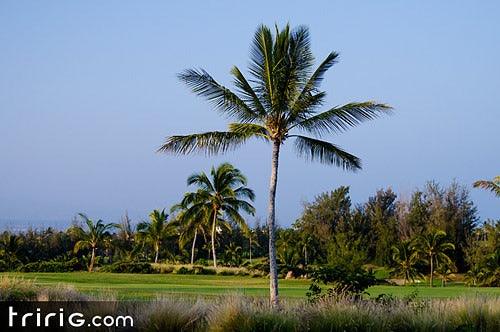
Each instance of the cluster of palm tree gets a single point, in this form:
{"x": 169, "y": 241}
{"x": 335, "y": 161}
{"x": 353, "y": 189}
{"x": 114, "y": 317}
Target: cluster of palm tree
{"x": 216, "y": 204}
{"x": 431, "y": 248}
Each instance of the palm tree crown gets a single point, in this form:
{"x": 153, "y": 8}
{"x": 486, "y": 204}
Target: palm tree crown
{"x": 278, "y": 102}
{"x": 218, "y": 199}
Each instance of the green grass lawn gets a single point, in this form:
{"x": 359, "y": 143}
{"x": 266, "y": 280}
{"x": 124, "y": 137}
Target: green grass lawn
{"x": 146, "y": 286}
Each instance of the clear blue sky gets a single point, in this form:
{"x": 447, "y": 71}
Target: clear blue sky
{"x": 88, "y": 92}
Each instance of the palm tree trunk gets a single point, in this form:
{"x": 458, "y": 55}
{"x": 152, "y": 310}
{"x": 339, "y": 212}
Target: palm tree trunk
{"x": 305, "y": 256}
{"x": 432, "y": 270}
{"x": 250, "y": 250}
{"x": 157, "y": 250}
{"x": 205, "y": 241}
{"x": 273, "y": 267}
{"x": 213, "y": 238}
{"x": 193, "y": 246}
{"x": 92, "y": 259}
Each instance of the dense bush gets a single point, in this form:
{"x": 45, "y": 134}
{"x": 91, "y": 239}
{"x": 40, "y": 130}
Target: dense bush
{"x": 196, "y": 269}
{"x": 342, "y": 281}
{"x": 3, "y": 266}
{"x": 51, "y": 266}
{"x": 129, "y": 267}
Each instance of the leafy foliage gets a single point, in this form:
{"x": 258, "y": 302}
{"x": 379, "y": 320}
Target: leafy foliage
{"x": 343, "y": 282}
{"x": 129, "y": 267}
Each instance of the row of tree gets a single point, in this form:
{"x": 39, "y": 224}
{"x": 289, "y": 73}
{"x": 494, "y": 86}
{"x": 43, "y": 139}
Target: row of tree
{"x": 435, "y": 231}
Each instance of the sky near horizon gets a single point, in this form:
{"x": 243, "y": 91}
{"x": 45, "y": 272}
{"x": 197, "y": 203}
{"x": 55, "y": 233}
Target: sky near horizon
{"x": 88, "y": 92}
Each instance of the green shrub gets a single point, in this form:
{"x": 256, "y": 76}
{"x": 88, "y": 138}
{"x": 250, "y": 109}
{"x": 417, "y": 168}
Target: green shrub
{"x": 4, "y": 267}
{"x": 202, "y": 261}
{"x": 343, "y": 281}
{"x": 51, "y": 266}
{"x": 184, "y": 270}
{"x": 129, "y": 267}
{"x": 207, "y": 271}
{"x": 162, "y": 268}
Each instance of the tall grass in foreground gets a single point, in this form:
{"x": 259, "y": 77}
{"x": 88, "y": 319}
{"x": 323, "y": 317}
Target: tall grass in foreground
{"x": 253, "y": 314}
{"x": 237, "y": 313}
{"x": 19, "y": 289}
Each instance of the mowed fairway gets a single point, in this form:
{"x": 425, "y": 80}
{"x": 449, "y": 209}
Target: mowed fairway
{"x": 147, "y": 286}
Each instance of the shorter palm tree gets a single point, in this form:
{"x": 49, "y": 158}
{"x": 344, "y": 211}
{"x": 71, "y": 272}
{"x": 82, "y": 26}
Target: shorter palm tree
{"x": 190, "y": 226}
{"x": 156, "y": 230}
{"x": 232, "y": 255}
{"x": 433, "y": 247}
{"x": 445, "y": 271}
{"x": 493, "y": 185}
{"x": 125, "y": 239}
{"x": 288, "y": 253}
{"x": 9, "y": 247}
{"x": 92, "y": 238}
{"x": 253, "y": 240}
{"x": 406, "y": 258}
{"x": 474, "y": 276}
{"x": 218, "y": 199}
{"x": 307, "y": 244}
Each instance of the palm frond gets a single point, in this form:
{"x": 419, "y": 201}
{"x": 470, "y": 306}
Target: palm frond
{"x": 80, "y": 245}
{"x": 238, "y": 204}
{"x": 211, "y": 143}
{"x": 318, "y": 75}
{"x": 223, "y": 99}
{"x": 200, "y": 179}
{"x": 249, "y": 130}
{"x": 245, "y": 89}
{"x": 312, "y": 85}
{"x": 261, "y": 64}
{"x": 493, "y": 186}
{"x": 244, "y": 192}
{"x": 326, "y": 153}
{"x": 339, "y": 119}
{"x": 234, "y": 216}
{"x": 301, "y": 54}
{"x": 306, "y": 106}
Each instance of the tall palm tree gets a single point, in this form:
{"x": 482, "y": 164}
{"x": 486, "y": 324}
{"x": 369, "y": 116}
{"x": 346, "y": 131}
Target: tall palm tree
{"x": 219, "y": 198}
{"x": 406, "y": 259}
{"x": 277, "y": 103}
{"x": 91, "y": 238}
{"x": 156, "y": 230}
{"x": 433, "y": 247}
{"x": 493, "y": 185}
